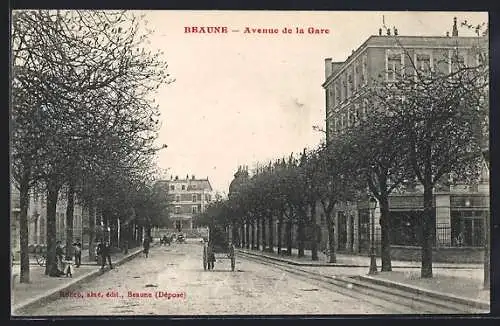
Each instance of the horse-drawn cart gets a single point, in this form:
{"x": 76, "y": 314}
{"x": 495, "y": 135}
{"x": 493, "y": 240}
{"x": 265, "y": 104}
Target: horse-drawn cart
{"x": 218, "y": 247}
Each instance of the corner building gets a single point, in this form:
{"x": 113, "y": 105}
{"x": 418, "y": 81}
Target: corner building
{"x": 459, "y": 209}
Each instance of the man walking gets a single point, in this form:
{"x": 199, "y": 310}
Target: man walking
{"x": 106, "y": 254}
{"x": 78, "y": 252}
{"x": 146, "y": 245}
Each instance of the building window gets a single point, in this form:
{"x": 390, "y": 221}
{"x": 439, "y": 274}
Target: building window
{"x": 393, "y": 66}
{"x": 358, "y": 114}
{"x": 350, "y": 117}
{"x": 177, "y": 198}
{"x": 364, "y": 71}
{"x": 365, "y": 109}
{"x": 207, "y": 197}
{"x": 467, "y": 228}
{"x": 183, "y": 187}
{"x": 356, "y": 75}
{"x": 350, "y": 83}
{"x": 194, "y": 198}
{"x": 177, "y": 210}
{"x": 335, "y": 125}
{"x": 407, "y": 228}
{"x": 456, "y": 61}
{"x": 423, "y": 63}
{"x": 344, "y": 88}
{"x": 172, "y": 187}
{"x": 194, "y": 209}
{"x": 337, "y": 94}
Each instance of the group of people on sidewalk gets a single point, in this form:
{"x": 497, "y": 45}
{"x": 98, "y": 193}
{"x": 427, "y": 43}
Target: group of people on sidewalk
{"x": 63, "y": 266}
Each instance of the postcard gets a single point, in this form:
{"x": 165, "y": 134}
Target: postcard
{"x": 238, "y": 163}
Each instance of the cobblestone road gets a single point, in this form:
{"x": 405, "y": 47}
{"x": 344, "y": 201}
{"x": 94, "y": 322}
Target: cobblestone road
{"x": 174, "y": 279}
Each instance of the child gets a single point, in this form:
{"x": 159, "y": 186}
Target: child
{"x": 68, "y": 268}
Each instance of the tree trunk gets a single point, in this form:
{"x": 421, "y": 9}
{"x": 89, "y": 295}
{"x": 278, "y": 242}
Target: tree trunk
{"x": 252, "y": 236}
{"x": 92, "y": 214}
{"x": 52, "y": 194}
{"x": 428, "y": 233}
{"x": 314, "y": 240}
{"x": 242, "y": 228}
{"x": 70, "y": 208}
{"x": 300, "y": 234}
{"x": 271, "y": 233}
{"x": 331, "y": 237}
{"x": 264, "y": 240}
{"x": 257, "y": 240}
{"x": 280, "y": 232}
{"x": 289, "y": 238}
{"x": 23, "y": 228}
{"x": 247, "y": 236}
{"x": 385, "y": 230}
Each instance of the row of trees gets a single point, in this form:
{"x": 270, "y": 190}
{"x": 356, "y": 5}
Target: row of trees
{"x": 428, "y": 126}
{"x": 83, "y": 119}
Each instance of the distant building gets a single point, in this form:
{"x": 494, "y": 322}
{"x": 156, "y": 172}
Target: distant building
{"x": 460, "y": 210}
{"x": 187, "y": 198}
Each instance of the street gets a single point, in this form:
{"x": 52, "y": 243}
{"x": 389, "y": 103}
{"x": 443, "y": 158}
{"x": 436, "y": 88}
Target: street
{"x": 172, "y": 282}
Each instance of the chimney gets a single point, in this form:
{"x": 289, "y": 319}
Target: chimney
{"x": 328, "y": 67}
{"x": 171, "y": 177}
{"x": 447, "y": 34}
{"x": 192, "y": 177}
{"x": 176, "y": 177}
{"x": 380, "y": 32}
{"x": 395, "y": 31}
{"x": 454, "y": 33}
{"x": 187, "y": 176}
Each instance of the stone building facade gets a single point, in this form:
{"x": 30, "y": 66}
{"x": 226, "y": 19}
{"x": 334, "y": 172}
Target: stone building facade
{"x": 187, "y": 197}
{"x": 460, "y": 210}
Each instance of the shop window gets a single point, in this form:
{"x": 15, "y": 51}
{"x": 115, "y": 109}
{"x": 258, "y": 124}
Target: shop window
{"x": 467, "y": 228}
{"x": 406, "y": 228}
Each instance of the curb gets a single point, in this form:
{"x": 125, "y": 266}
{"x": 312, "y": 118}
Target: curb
{"x": 54, "y": 293}
{"x": 290, "y": 262}
{"x": 300, "y": 263}
{"x": 480, "y": 304}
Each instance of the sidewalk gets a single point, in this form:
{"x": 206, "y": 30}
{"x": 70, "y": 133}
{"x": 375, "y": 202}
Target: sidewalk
{"x": 42, "y": 286}
{"x": 344, "y": 260}
{"x": 461, "y": 280}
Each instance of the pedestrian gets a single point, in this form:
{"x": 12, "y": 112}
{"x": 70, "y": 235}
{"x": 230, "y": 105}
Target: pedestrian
{"x": 106, "y": 254}
{"x": 77, "y": 245}
{"x": 145, "y": 245}
{"x": 56, "y": 269}
{"x": 59, "y": 255}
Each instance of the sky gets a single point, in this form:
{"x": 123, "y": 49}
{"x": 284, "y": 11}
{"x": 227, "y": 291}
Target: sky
{"x": 243, "y": 98}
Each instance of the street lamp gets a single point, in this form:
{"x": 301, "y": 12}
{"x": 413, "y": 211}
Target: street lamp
{"x": 486, "y": 282}
{"x": 373, "y": 260}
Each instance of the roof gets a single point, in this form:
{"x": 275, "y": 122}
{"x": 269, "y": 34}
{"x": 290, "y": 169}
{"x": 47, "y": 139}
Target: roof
{"x": 192, "y": 184}
{"x": 392, "y": 41}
